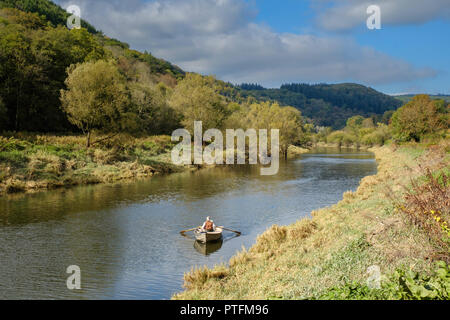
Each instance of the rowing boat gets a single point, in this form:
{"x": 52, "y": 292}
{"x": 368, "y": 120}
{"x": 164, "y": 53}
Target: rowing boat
{"x": 205, "y": 237}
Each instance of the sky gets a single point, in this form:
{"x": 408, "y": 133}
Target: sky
{"x": 273, "y": 42}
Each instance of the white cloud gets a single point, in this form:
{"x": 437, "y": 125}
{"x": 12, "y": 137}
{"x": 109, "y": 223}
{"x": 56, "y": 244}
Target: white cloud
{"x": 344, "y": 15}
{"x": 219, "y": 37}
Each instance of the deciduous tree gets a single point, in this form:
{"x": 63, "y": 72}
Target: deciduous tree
{"x": 97, "y": 99}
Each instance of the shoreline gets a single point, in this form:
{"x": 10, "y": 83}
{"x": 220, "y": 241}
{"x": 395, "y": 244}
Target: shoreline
{"x": 334, "y": 247}
{"x": 31, "y": 163}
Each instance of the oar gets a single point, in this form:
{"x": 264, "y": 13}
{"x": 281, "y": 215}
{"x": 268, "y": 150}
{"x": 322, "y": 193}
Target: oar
{"x": 184, "y": 231}
{"x": 237, "y": 232}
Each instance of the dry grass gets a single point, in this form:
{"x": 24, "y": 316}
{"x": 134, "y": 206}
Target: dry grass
{"x": 426, "y": 203}
{"x": 337, "y": 245}
{"x": 30, "y": 162}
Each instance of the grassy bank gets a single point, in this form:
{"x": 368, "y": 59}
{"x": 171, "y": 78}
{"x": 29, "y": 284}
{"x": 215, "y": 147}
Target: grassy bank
{"x": 32, "y": 162}
{"x": 396, "y": 220}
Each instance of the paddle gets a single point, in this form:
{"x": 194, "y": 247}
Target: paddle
{"x": 184, "y": 231}
{"x": 237, "y": 232}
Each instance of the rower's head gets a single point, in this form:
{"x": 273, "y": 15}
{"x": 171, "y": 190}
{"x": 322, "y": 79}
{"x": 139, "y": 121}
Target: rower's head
{"x": 208, "y": 218}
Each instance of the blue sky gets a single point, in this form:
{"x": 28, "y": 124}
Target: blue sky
{"x": 421, "y": 44}
{"x": 275, "y": 42}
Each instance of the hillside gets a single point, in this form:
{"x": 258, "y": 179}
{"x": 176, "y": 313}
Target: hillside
{"x": 327, "y": 105}
{"x": 29, "y": 99}
{"x": 36, "y": 48}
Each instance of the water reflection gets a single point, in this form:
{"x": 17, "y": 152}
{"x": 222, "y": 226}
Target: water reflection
{"x": 125, "y": 237}
{"x": 209, "y": 247}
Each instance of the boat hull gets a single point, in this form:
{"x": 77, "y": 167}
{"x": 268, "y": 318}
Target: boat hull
{"x": 205, "y": 237}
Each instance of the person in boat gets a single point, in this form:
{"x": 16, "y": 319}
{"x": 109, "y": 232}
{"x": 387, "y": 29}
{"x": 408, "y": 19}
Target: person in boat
{"x": 209, "y": 225}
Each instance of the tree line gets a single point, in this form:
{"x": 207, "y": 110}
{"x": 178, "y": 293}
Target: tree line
{"x": 317, "y": 102}
{"x": 421, "y": 119}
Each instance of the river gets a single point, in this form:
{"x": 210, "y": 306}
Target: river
{"x": 125, "y": 237}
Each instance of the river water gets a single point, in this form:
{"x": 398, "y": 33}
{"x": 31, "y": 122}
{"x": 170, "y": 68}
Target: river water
{"x": 125, "y": 237}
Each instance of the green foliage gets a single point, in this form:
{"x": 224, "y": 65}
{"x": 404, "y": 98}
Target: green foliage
{"x": 420, "y": 117}
{"x": 379, "y": 136}
{"x": 317, "y": 102}
{"x": 34, "y": 59}
{"x": 47, "y": 9}
{"x": 341, "y": 137}
{"x": 197, "y": 98}
{"x": 269, "y": 116}
{"x": 36, "y": 49}
{"x": 153, "y": 113}
{"x": 96, "y": 98}
{"x": 401, "y": 285}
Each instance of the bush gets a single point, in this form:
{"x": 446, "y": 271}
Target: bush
{"x": 401, "y": 285}
{"x": 419, "y": 117}
{"x": 427, "y": 206}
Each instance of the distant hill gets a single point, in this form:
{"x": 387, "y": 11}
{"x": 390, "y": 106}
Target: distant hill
{"x": 327, "y": 104}
{"x": 405, "y": 98}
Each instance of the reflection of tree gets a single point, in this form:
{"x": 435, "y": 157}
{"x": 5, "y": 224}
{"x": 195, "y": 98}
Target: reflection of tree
{"x": 34, "y": 257}
{"x": 186, "y": 186}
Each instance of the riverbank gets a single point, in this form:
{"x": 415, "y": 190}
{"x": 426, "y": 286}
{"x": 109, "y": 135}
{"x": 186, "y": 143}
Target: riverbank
{"x": 337, "y": 145}
{"x": 32, "y": 162}
{"x": 333, "y": 254}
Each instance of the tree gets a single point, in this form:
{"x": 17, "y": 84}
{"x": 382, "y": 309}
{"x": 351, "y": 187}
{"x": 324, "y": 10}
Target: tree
{"x": 289, "y": 121}
{"x": 419, "y": 117}
{"x": 3, "y": 115}
{"x": 96, "y": 99}
{"x": 34, "y": 58}
{"x": 197, "y": 98}
{"x": 270, "y": 116}
{"x": 153, "y": 114}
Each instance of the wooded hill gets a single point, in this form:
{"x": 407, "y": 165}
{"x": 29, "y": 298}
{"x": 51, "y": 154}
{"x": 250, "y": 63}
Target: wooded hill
{"x": 328, "y": 105}
{"x": 36, "y": 48}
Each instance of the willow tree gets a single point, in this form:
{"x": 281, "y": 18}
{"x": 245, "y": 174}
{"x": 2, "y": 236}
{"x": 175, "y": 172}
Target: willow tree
{"x": 198, "y": 98}
{"x": 269, "y": 116}
{"x": 97, "y": 99}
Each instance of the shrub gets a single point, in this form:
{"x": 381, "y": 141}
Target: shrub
{"x": 419, "y": 117}
{"x": 401, "y": 285}
{"x": 427, "y": 206}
